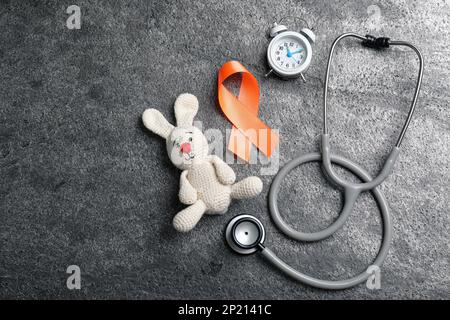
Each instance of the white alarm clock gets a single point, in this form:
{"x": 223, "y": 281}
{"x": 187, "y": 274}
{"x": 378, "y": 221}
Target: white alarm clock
{"x": 289, "y": 53}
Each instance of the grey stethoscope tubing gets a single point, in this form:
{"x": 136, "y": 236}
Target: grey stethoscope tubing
{"x": 245, "y": 234}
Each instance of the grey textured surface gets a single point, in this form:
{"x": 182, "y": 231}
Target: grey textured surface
{"x": 82, "y": 182}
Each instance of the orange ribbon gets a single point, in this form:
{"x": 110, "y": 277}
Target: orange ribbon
{"x": 242, "y": 112}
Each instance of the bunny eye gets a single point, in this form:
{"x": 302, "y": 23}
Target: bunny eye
{"x": 190, "y": 139}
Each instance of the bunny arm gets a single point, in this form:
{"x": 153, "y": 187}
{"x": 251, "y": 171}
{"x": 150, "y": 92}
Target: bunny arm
{"x": 224, "y": 172}
{"x": 187, "y": 193}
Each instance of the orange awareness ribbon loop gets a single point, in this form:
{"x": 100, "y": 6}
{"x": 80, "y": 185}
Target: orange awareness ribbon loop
{"x": 242, "y": 112}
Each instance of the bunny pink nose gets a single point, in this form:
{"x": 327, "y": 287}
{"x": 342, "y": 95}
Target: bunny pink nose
{"x": 185, "y": 147}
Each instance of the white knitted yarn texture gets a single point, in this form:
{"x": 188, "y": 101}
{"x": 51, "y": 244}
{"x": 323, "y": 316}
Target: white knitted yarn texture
{"x": 207, "y": 183}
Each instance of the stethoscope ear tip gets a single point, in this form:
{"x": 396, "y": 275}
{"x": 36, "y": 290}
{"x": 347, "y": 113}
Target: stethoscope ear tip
{"x": 245, "y": 234}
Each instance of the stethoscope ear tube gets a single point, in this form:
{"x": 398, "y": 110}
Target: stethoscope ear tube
{"x": 378, "y": 43}
{"x": 311, "y": 281}
{"x": 352, "y": 186}
{"x": 334, "y": 227}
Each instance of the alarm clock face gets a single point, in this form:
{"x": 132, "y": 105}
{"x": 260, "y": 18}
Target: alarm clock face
{"x": 289, "y": 54}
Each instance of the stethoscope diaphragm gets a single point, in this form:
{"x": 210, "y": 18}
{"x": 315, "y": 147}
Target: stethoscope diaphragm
{"x": 244, "y": 234}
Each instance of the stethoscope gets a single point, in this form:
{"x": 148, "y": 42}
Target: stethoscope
{"x": 245, "y": 233}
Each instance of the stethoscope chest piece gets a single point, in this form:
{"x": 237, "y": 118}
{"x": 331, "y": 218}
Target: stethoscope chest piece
{"x": 244, "y": 234}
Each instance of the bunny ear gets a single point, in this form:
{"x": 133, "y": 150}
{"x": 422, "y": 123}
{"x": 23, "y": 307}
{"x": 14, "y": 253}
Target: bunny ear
{"x": 186, "y": 107}
{"x": 155, "y": 122}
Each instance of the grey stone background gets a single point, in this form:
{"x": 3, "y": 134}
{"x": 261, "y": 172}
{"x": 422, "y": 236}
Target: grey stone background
{"x": 82, "y": 182}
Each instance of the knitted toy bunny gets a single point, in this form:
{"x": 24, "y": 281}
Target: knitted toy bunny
{"x": 207, "y": 183}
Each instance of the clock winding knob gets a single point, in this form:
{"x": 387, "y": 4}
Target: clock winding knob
{"x": 276, "y": 29}
{"x": 309, "y": 34}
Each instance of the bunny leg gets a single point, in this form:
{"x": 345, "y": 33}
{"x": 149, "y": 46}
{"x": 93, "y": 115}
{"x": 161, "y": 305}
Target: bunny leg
{"x": 186, "y": 219}
{"x": 247, "y": 188}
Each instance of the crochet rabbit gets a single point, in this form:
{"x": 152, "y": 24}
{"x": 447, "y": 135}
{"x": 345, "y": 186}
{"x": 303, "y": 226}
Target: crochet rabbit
{"x": 207, "y": 183}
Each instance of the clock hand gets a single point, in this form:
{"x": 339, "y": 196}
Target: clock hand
{"x": 298, "y": 51}
{"x": 289, "y": 53}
